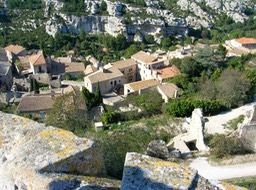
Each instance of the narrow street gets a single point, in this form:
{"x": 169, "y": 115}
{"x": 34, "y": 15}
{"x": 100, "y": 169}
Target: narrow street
{"x": 223, "y": 172}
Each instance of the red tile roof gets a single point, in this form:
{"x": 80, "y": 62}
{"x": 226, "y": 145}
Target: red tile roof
{"x": 168, "y": 72}
{"x": 37, "y": 59}
{"x": 16, "y": 49}
{"x": 246, "y": 40}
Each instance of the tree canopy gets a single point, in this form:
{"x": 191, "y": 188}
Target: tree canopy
{"x": 69, "y": 112}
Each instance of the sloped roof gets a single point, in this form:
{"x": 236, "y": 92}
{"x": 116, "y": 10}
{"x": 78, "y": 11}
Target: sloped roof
{"x": 135, "y": 86}
{"x": 168, "y": 72}
{"x": 89, "y": 69}
{"x": 124, "y": 63}
{"x": 144, "y": 57}
{"x": 246, "y": 40}
{"x": 37, "y": 59}
{"x": 35, "y": 103}
{"x": 107, "y": 74}
{"x": 74, "y": 67}
{"x": 15, "y": 49}
{"x": 168, "y": 89}
{"x": 63, "y": 59}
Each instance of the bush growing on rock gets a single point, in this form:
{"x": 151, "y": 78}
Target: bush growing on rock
{"x": 223, "y": 146}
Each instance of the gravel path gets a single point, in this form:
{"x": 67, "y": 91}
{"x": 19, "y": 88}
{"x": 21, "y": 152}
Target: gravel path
{"x": 215, "y": 123}
{"x": 223, "y": 172}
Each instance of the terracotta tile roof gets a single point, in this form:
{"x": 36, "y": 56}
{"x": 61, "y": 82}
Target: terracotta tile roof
{"x": 74, "y": 67}
{"x": 144, "y": 57}
{"x": 143, "y": 84}
{"x": 168, "y": 89}
{"x": 109, "y": 73}
{"x": 168, "y": 72}
{"x": 37, "y": 59}
{"x": 15, "y": 49}
{"x": 35, "y": 103}
{"x": 246, "y": 40}
{"x": 124, "y": 63}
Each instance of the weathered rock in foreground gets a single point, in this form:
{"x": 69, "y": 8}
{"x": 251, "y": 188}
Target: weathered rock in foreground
{"x": 33, "y": 156}
{"x": 145, "y": 172}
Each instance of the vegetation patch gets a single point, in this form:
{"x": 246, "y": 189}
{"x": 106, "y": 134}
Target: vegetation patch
{"x": 233, "y": 124}
{"x": 248, "y": 182}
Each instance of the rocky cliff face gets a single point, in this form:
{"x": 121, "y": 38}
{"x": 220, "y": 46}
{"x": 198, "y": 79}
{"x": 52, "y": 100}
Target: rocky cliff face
{"x": 160, "y": 20}
{"x": 33, "y": 156}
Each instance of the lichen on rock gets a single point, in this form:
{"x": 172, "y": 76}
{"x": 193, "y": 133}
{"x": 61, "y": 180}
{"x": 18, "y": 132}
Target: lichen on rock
{"x": 29, "y": 149}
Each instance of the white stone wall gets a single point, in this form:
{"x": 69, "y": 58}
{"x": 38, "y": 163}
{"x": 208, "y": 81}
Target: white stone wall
{"x": 36, "y": 68}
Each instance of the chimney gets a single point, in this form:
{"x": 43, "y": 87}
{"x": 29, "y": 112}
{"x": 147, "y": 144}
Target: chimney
{"x": 102, "y": 69}
{"x": 176, "y": 94}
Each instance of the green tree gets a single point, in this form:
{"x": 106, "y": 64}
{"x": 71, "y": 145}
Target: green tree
{"x": 69, "y": 112}
{"x": 150, "y": 103}
{"x": 210, "y": 58}
{"x": 87, "y": 96}
{"x": 233, "y": 86}
{"x": 165, "y": 43}
{"x": 223, "y": 146}
{"x": 132, "y": 49}
{"x": 190, "y": 67}
{"x": 149, "y": 39}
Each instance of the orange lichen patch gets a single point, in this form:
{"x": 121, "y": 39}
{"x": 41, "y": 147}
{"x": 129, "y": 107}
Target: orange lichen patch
{"x": 166, "y": 164}
{"x": 62, "y": 137}
{"x": 232, "y": 187}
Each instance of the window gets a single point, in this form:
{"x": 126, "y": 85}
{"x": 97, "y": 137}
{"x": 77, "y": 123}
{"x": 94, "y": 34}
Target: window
{"x": 130, "y": 70}
{"x": 130, "y": 78}
{"x": 111, "y": 82}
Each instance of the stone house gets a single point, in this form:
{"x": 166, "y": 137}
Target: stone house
{"x": 139, "y": 87}
{"x": 249, "y": 43}
{"x": 74, "y": 69}
{"x": 108, "y": 78}
{"x": 129, "y": 68}
{"x": 168, "y": 91}
{"x": 147, "y": 64}
{"x": 13, "y": 51}
{"x": 36, "y": 105}
{"x": 38, "y": 64}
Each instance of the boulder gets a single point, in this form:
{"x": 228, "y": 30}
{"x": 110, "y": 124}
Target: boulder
{"x": 144, "y": 172}
{"x": 35, "y": 156}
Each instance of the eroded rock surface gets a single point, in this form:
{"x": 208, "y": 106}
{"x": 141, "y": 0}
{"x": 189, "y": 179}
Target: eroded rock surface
{"x": 33, "y": 156}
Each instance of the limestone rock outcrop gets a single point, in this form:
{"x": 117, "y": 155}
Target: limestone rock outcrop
{"x": 144, "y": 172}
{"x": 193, "y": 139}
{"x": 33, "y": 156}
{"x": 247, "y": 130}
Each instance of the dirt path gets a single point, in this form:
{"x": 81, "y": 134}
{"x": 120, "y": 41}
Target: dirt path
{"x": 215, "y": 123}
{"x": 223, "y": 172}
